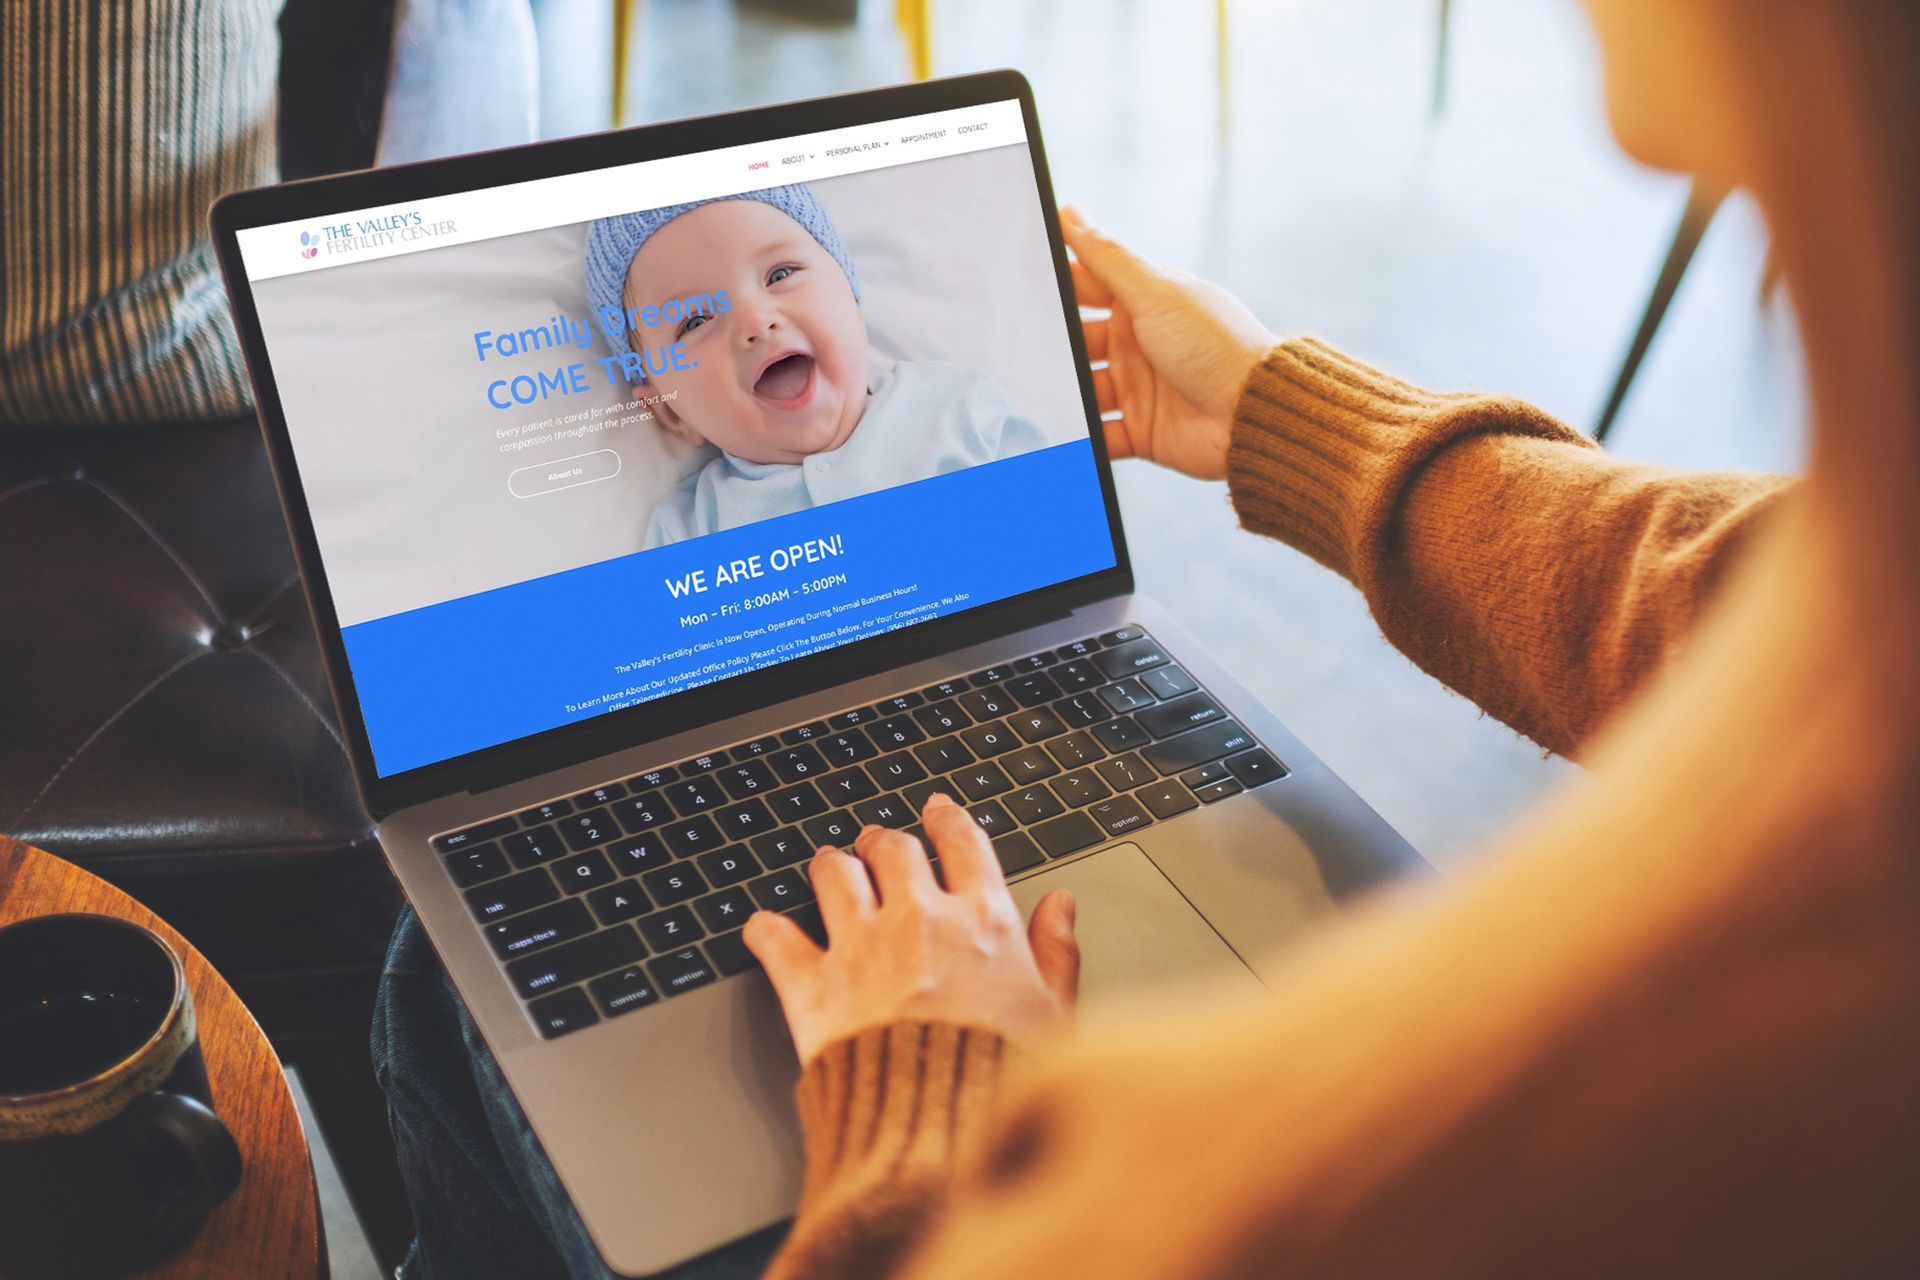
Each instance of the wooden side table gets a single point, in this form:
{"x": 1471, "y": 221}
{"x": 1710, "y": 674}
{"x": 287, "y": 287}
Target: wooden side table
{"x": 270, "y": 1226}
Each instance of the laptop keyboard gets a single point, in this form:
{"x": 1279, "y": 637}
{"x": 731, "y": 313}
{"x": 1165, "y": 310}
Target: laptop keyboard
{"x": 607, "y": 901}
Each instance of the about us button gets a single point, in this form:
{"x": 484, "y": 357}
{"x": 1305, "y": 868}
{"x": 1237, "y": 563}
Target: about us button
{"x": 566, "y": 473}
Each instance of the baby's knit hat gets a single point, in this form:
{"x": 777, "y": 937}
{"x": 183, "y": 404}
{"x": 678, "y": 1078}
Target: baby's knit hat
{"x": 612, "y": 243}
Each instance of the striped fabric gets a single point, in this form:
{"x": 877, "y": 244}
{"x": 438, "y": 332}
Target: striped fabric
{"x": 120, "y": 121}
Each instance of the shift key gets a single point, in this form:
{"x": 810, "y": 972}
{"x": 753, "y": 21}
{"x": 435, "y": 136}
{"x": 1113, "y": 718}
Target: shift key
{"x": 1175, "y": 755}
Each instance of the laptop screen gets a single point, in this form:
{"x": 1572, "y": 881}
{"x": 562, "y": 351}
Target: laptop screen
{"x": 574, "y": 444}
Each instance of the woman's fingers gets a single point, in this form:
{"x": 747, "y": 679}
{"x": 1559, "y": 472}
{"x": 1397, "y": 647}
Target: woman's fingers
{"x": 1097, "y": 330}
{"x": 1119, "y": 441}
{"x": 784, "y": 950}
{"x": 1124, "y": 275}
{"x": 1087, "y": 289}
{"x": 1106, "y": 392}
{"x": 898, "y": 863}
{"x": 966, "y": 855}
{"x": 1055, "y": 950}
{"x": 844, "y": 888}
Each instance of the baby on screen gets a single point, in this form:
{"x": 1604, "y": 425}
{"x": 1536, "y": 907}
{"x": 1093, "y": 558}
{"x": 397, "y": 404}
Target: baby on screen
{"x": 776, "y": 349}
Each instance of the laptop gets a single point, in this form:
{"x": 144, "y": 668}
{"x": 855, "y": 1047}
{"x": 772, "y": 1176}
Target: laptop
{"x": 631, "y": 594}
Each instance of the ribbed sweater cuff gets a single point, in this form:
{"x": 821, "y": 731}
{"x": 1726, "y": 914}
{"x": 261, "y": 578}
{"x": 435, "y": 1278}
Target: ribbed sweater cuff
{"x": 1324, "y": 448}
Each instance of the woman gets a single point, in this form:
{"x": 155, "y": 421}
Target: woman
{"x": 1673, "y": 1025}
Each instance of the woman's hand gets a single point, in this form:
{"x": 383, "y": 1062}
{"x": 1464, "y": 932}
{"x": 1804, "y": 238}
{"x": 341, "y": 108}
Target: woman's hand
{"x": 1178, "y": 352}
{"x": 900, "y": 946}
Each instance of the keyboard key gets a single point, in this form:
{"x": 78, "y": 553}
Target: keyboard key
{"x": 634, "y": 854}
{"x": 479, "y": 833}
{"x": 674, "y": 927}
{"x": 945, "y": 689}
{"x": 837, "y": 828}
{"x": 723, "y": 911}
{"x": 1130, "y": 659}
{"x": 897, "y": 770}
{"x": 1124, "y": 773}
{"x": 1082, "y": 788}
{"x": 992, "y": 675}
{"x": 795, "y": 763}
{"x": 802, "y": 800}
{"x": 1081, "y": 710}
{"x": 848, "y": 719}
{"x": 1078, "y": 649}
{"x": 783, "y": 889}
{"x": 1255, "y": 767}
{"x": 808, "y": 918}
{"x": 695, "y": 835}
{"x": 943, "y": 755}
{"x": 980, "y": 781}
{"x": 1016, "y": 852}
{"x": 897, "y": 703}
{"x": 1122, "y": 636}
{"x": 750, "y": 779}
{"x": 993, "y": 819}
{"x": 896, "y": 732}
{"x": 987, "y": 704}
{"x": 618, "y": 902}
{"x": 704, "y": 763}
{"x": 727, "y": 866}
{"x": 1036, "y": 724}
{"x": 989, "y": 740}
{"x": 625, "y": 991}
{"x": 1064, "y": 835}
{"x": 1127, "y": 695}
{"x": 917, "y": 795}
{"x": 637, "y": 813}
{"x": 545, "y": 812}
{"x": 584, "y": 871}
{"x": 847, "y": 786}
{"x": 730, "y": 955}
{"x": 758, "y": 747}
{"x": 1219, "y": 790}
{"x": 1035, "y": 661}
{"x": 944, "y": 716}
{"x": 1118, "y": 815}
{"x": 605, "y": 794}
{"x": 1203, "y": 774}
{"x": 1033, "y": 690}
{"x": 850, "y": 747}
{"x": 572, "y": 962}
{"x": 1120, "y": 735}
{"x": 1035, "y": 804}
{"x": 805, "y": 733}
{"x": 586, "y": 830}
{"x": 1177, "y": 755}
{"x": 527, "y": 848}
{"x": 781, "y": 849}
{"x": 681, "y": 971}
{"x": 1078, "y": 676}
{"x": 475, "y": 865}
{"x": 1074, "y": 750}
{"x": 541, "y": 927}
{"x": 674, "y": 884}
{"x": 885, "y": 811}
{"x": 1166, "y": 798}
{"x": 697, "y": 795}
{"x": 1168, "y": 682}
{"x": 511, "y": 896}
{"x": 1189, "y": 712}
{"x": 653, "y": 779}
{"x": 1029, "y": 764}
{"x": 564, "y": 1011}
{"x": 748, "y": 818}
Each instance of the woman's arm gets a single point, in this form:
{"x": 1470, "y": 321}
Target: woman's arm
{"x": 1498, "y": 548}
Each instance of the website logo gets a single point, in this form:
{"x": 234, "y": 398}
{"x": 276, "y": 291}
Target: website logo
{"x": 309, "y": 244}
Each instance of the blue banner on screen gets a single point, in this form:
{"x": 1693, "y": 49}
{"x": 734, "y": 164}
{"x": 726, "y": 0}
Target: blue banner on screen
{"x": 455, "y": 677}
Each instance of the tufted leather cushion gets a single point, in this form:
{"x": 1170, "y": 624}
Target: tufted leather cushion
{"x": 163, "y": 717}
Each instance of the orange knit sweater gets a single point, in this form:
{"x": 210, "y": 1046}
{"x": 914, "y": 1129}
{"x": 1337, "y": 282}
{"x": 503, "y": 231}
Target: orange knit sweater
{"x": 1671, "y": 1028}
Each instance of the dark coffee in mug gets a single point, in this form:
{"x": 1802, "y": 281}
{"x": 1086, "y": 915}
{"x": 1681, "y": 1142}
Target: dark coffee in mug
{"x": 110, "y": 1151}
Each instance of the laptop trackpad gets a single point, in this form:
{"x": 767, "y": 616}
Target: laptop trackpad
{"x": 1136, "y": 931}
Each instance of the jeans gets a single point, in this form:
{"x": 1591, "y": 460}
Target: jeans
{"x": 485, "y": 1199}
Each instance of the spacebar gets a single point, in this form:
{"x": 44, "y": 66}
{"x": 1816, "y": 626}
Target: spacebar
{"x": 1175, "y": 755}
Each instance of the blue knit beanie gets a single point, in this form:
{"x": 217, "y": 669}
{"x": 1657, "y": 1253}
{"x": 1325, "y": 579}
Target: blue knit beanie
{"x": 613, "y": 242}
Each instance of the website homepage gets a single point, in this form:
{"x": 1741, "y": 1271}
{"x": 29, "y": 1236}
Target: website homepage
{"x": 575, "y": 444}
